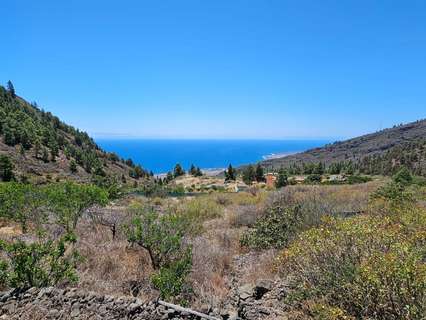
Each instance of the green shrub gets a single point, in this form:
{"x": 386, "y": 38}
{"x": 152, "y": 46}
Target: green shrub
{"x": 354, "y": 179}
{"x": 197, "y": 210}
{"x": 171, "y": 278}
{"x": 163, "y": 238}
{"x": 22, "y": 203}
{"x": 420, "y": 181}
{"x": 275, "y": 229}
{"x": 108, "y": 183}
{"x": 6, "y": 168}
{"x": 366, "y": 266}
{"x": 177, "y": 190}
{"x": 38, "y": 264}
{"x": 69, "y": 200}
{"x": 282, "y": 179}
{"x": 393, "y": 196}
{"x": 403, "y": 176}
{"x": 313, "y": 179}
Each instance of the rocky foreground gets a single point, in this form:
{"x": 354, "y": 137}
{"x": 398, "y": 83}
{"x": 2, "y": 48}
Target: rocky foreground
{"x": 250, "y": 302}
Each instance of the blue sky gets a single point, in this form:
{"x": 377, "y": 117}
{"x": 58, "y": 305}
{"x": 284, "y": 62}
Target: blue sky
{"x": 219, "y": 69}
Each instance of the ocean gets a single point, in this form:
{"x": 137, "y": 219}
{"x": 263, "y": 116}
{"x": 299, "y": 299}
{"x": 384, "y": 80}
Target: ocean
{"x": 161, "y": 156}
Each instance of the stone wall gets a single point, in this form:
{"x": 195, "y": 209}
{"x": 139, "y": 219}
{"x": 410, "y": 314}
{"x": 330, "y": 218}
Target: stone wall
{"x": 53, "y": 303}
{"x": 262, "y": 301}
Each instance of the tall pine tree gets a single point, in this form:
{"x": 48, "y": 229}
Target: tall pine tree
{"x": 230, "y": 174}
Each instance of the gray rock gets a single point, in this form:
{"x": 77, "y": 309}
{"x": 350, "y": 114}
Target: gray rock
{"x": 245, "y": 291}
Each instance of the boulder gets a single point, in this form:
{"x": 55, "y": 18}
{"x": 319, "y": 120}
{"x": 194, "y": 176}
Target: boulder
{"x": 245, "y": 291}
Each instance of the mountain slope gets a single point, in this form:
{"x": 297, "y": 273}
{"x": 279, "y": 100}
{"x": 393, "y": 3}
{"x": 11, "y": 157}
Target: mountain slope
{"x": 376, "y": 153}
{"x": 41, "y": 146}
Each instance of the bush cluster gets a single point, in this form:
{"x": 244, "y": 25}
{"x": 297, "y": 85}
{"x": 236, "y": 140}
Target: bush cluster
{"x": 367, "y": 266}
{"x": 162, "y": 236}
{"x": 43, "y": 259}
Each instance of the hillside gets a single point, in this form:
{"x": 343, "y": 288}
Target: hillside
{"x": 42, "y": 147}
{"x": 381, "y": 152}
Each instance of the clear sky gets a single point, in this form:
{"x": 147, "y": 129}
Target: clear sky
{"x": 219, "y": 68}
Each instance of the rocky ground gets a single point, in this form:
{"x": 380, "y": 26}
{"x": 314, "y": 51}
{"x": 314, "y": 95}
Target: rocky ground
{"x": 260, "y": 301}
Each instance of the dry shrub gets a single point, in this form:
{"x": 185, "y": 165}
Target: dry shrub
{"x": 318, "y": 201}
{"x": 211, "y": 262}
{"x": 244, "y": 216}
{"x": 199, "y": 209}
{"x": 109, "y": 266}
{"x": 223, "y": 199}
{"x": 256, "y": 265}
{"x": 245, "y": 198}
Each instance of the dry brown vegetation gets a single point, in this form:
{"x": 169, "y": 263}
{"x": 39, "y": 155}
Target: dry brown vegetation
{"x": 219, "y": 261}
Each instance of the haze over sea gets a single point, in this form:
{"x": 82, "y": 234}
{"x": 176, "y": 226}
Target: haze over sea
{"x": 161, "y": 156}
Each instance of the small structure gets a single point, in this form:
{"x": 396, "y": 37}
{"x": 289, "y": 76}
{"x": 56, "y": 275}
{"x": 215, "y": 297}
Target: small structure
{"x": 337, "y": 178}
{"x": 299, "y": 179}
{"x": 270, "y": 180}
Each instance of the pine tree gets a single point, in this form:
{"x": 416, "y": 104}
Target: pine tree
{"x": 403, "y": 176}
{"x": 178, "y": 171}
{"x": 249, "y": 175}
{"x": 192, "y": 170}
{"x": 11, "y": 89}
{"x": 230, "y": 174}
{"x": 259, "y": 173}
{"x": 318, "y": 168}
{"x": 198, "y": 172}
{"x": 6, "y": 168}
{"x": 169, "y": 176}
{"x": 73, "y": 166}
{"x": 282, "y": 180}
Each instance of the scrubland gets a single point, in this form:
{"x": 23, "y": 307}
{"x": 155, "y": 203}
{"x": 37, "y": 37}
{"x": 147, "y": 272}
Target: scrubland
{"x": 344, "y": 251}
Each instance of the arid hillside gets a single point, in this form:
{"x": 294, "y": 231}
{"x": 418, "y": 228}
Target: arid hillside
{"x": 377, "y": 152}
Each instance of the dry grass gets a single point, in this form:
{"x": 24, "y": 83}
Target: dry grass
{"x": 244, "y": 216}
{"x": 257, "y": 265}
{"x": 112, "y": 267}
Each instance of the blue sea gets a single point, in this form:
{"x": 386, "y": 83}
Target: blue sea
{"x": 161, "y": 156}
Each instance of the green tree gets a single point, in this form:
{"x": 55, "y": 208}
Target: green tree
{"x": 54, "y": 150}
{"x": 162, "y": 237}
{"x": 259, "y": 173}
{"x": 38, "y": 264}
{"x": 178, "y": 171}
{"x": 6, "y": 168}
{"x": 170, "y": 280}
{"x": 319, "y": 168}
{"x": 73, "y": 166}
{"x": 313, "y": 178}
{"x": 282, "y": 179}
{"x": 193, "y": 170}
{"x": 249, "y": 174}
{"x": 69, "y": 200}
{"x": 276, "y": 228}
{"x": 169, "y": 176}
{"x": 22, "y": 203}
{"x": 198, "y": 172}
{"x": 137, "y": 172}
{"x": 230, "y": 174}
{"x": 403, "y": 176}
{"x": 11, "y": 89}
